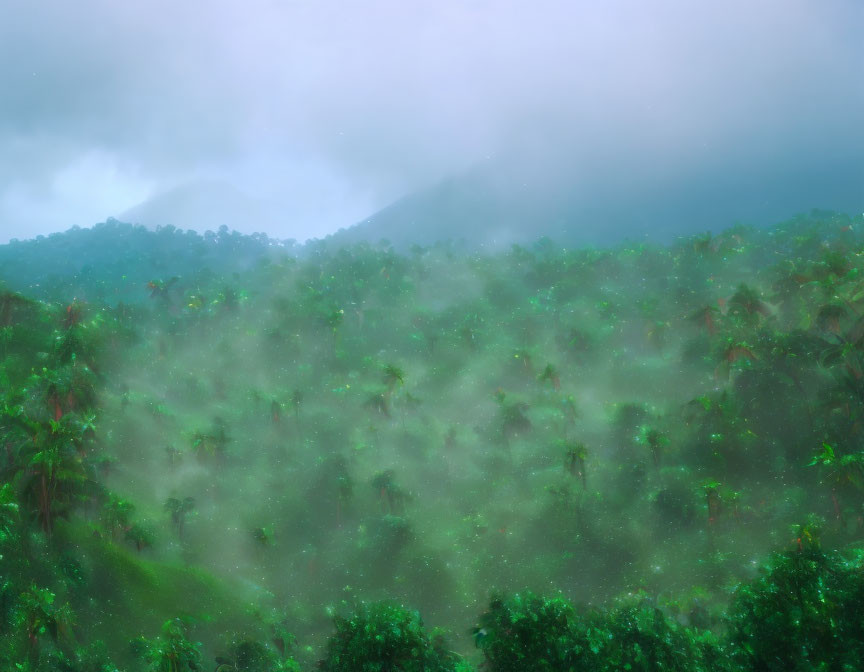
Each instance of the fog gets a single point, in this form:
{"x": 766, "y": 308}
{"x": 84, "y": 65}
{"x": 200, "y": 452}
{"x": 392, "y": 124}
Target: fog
{"x": 231, "y": 439}
{"x": 315, "y": 115}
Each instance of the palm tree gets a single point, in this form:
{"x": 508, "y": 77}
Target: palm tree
{"x": 41, "y": 615}
{"x": 172, "y": 652}
{"x": 575, "y": 454}
{"x": 393, "y": 377}
{"x": 179, "y": 510}
{"x": 392, "y": 497}
{"x": 378, "y": 402}
{"x": 139, "y": 535}
{"x": 159, "y": 289}
{"x": 711, "y": 490}
{"x": 746, "y": 302}
{"x": 275, "y": 411}
{"x": 115, "y": 515}
{"x": 65, "y": 389}
{"x": 568, "y": 406}
{"x": 656, "y": 442}
{"x": 297, "y": 403}
{"x": 211, "y": 443}
{"x": 731, "y": 354}
{"x": 73, "y": 314}
{"x": 333, "y": 319}
{"x": 707, "y": 317}
{"x": 512, "y": 418}
{"x": 333, "y": 487}
{"x": 550, "y": 375}
{"x": 55, "y": 468}
{"x": 840, "y": 473}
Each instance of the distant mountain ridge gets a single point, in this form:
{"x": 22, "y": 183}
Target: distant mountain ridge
{"x": 500, "y": 203}
{"x": 208, "y": 204}
{"x": 488, "y": 208}
{"x": 113, "y": 261}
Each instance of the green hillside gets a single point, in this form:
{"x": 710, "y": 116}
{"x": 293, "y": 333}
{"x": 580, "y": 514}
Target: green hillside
{"x": 224, "y": 453}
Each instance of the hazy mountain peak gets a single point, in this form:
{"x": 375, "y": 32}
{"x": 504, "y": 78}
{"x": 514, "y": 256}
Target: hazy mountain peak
{"x": 201, "y": 204}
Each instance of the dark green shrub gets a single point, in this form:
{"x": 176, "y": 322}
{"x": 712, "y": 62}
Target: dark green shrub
{"x": 526, "y": 633}
{"x": 804, "y": 613}
{"x": 641, "y": 637}
{"x": 171, "y": 652}
{"x": 382, "y": 637}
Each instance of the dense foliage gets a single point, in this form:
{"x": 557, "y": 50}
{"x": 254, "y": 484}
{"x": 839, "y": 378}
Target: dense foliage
{"x": 803, "y": 614}
{"x": 218, "y": 452}
{"x": 112, "y": 261}
{"x": 526, "y": 632}
{"x": 380, "y": 637}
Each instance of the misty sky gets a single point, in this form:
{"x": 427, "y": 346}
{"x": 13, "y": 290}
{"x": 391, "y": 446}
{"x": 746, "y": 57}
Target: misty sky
{"x": 317, "y": 113}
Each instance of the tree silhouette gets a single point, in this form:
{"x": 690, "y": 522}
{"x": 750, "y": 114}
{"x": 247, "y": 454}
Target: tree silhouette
{"x": 179, "y": 511}
{"x": 575, "y": 454}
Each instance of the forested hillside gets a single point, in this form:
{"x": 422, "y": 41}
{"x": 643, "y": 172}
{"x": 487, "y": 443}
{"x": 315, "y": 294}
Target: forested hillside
{"x": 225, "y": 453}
{"x": 110, "y": 262}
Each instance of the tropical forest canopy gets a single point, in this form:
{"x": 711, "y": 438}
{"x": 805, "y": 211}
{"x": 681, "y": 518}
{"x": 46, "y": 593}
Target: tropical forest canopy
{"x": 225, "y": 452}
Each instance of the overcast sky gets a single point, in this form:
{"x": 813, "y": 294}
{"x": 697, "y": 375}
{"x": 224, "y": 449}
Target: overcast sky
{"x": 322, "y": 111}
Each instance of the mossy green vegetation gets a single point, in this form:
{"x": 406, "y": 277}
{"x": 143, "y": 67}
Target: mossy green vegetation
{"x": 259, "y": 457}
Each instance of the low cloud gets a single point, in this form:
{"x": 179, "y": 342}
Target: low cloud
{"x": 326, "y": 111}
